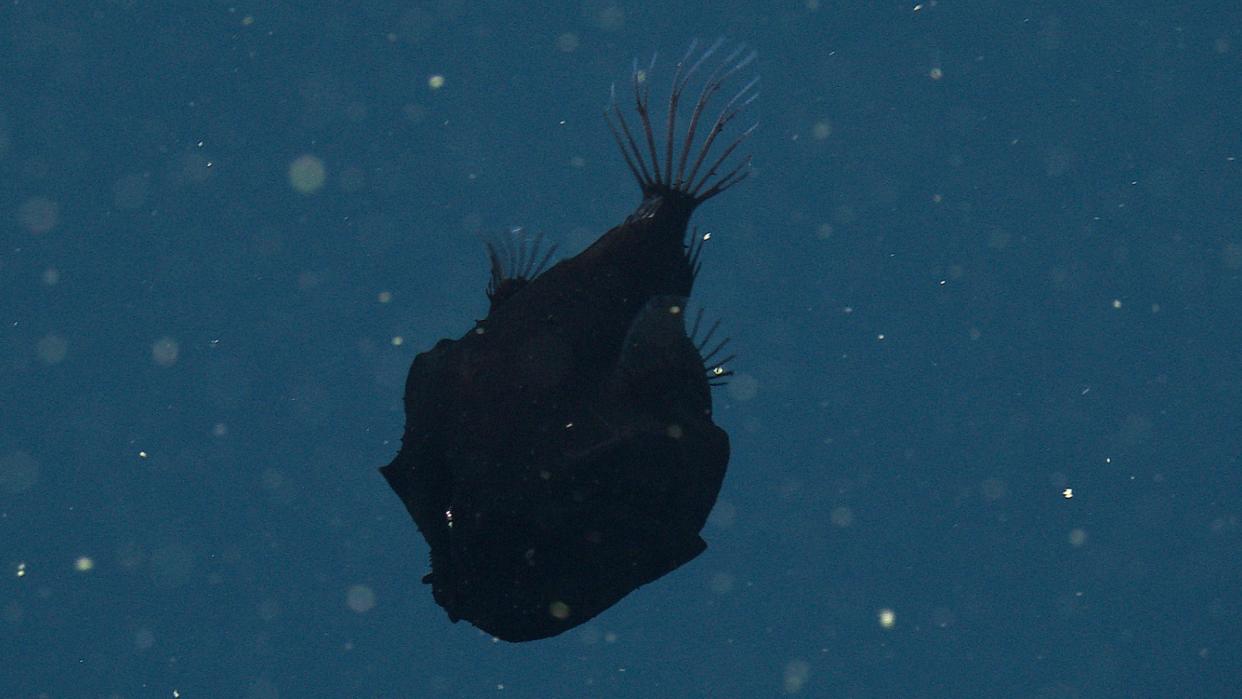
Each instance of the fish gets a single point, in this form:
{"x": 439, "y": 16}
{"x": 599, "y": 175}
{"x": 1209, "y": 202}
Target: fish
{"x": 562, "y": 452}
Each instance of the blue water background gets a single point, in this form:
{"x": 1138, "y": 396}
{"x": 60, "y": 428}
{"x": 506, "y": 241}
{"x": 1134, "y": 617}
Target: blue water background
{"x": 990, "y": 256}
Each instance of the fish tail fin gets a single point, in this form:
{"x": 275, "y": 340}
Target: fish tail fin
{"x": 685, "y": 167}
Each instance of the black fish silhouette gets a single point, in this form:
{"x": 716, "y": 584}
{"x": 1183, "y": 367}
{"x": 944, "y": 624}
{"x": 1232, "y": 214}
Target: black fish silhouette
{"x": 562, "y": 453}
